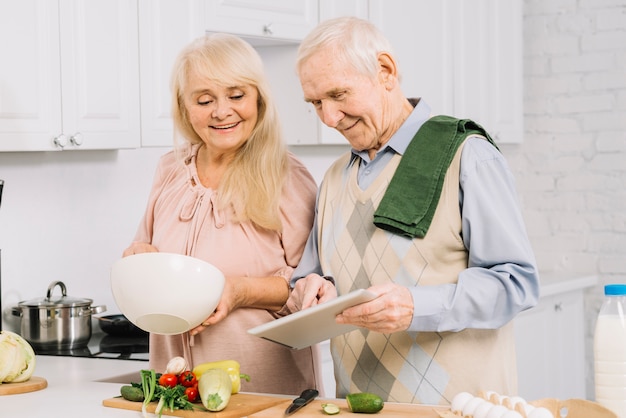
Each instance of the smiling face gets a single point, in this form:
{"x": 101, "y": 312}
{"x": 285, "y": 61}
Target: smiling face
{"x": 347, "y": 100}
{"x": 223, "y": 117}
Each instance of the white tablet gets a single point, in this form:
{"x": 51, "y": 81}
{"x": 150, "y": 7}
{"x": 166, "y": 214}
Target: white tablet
{"x": 313, "y": 325}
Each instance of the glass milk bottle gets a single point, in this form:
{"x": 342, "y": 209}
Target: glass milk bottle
{"x": 609, "y": 347}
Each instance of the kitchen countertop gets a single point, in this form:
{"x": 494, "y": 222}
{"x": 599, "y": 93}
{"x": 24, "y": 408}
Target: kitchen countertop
{"x": 78, "y": 385}
{"x": 553, "y": 283}
{"x": 76, "y": 388}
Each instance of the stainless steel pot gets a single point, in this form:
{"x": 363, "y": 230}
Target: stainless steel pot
{"x": 56, "y": 322}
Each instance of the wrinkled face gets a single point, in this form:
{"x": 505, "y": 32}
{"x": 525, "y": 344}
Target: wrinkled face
{"x": 352, "y": 103}
{"x": 224, "y": 117}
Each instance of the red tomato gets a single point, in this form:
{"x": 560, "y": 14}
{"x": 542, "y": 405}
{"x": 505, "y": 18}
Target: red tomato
{"x": 187, "y": 379}
{"x": 191, "y": 393}
{"x": 168, "y": 380}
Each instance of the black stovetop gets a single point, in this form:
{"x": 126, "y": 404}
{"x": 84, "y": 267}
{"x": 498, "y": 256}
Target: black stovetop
{"x": 102, "y": 345}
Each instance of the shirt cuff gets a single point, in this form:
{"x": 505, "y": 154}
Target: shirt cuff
{"x": 428, "y": 306}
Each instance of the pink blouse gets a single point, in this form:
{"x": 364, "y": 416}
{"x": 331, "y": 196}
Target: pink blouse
{"x": 181, "y": 217}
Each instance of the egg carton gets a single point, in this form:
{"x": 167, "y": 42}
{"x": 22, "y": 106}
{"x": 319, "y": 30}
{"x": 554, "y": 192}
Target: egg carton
{"x": 493, "y": 405}
{"x": 574, "y": 408}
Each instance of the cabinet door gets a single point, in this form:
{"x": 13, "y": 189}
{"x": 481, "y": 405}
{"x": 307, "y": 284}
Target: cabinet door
{"x": 100, "y": 73}
{"x": 30, "y": 88}
{"x": 269, "y": 20}
{"x": 330, "y": 9}
{"x": 488, "y": 66}
{"x": 420, "y": 33}
{"x": 464, "y": 57}
{"x": 165, "y": 27}
{"x": 298, "y": 119}
{"x": 551, "y": 348}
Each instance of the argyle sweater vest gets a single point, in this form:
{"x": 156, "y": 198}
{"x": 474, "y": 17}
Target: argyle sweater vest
{"x": 410, "y": 367}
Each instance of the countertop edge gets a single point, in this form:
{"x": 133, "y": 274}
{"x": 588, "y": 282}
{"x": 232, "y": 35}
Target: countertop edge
{"x": 553, "y": 286}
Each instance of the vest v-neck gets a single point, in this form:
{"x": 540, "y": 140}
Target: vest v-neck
{"x": 381, "y": 181}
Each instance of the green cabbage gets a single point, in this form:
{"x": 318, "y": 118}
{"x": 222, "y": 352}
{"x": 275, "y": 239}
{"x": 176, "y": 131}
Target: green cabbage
{"x": 17, "y": 358}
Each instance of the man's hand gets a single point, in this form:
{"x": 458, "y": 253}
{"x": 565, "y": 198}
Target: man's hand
{"x": 310, "y": 291}
{"x": 391, "y": 311}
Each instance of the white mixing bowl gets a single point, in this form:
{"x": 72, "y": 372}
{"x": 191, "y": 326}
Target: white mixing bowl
{"x": 166, "y": 293}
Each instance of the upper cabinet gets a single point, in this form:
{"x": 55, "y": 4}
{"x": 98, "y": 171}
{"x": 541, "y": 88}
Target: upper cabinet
{"x": 463, "y": 57}
{"x": 263, "y": 21}
{"x": 273, "y": 27}
{"x": 95, "y": 74}
{"x": 487, "y": 63}
{"x": 70, "y": 77}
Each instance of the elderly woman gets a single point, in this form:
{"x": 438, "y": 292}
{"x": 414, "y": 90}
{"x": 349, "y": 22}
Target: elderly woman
{"x": 231, "y": 194}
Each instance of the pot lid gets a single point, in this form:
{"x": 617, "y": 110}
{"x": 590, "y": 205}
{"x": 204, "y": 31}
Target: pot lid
{"x": 56, "y": 301}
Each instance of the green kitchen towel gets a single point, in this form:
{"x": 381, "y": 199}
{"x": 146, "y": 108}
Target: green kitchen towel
{"x": 408, "y": 205}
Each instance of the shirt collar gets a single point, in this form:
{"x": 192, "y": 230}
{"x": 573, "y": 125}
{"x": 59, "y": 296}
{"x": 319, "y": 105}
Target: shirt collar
{"x": 401, "y": 139}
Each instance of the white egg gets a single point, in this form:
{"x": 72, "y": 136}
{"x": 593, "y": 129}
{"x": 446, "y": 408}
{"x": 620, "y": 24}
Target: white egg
{"x": 497, "y": 411}
{"x": 540, "y": 412}
{"x": 483, "y": 409}
{"x": 488, "y": 393}
{"x": 515, "y": 400}
{"x": 528, "y": 408}
{"x": 460, "y": 400}
{"x": 470, "y": 407}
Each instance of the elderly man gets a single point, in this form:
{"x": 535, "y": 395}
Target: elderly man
{"x": 423, "y": 212}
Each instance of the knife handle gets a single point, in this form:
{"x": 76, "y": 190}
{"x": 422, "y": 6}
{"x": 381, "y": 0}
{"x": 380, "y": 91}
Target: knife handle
{"x": 308, "y": 395}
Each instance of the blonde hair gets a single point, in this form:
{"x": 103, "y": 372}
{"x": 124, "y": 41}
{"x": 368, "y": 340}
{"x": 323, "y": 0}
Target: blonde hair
{"x": 253, "y": 183}
{"x": 355, "y": 42}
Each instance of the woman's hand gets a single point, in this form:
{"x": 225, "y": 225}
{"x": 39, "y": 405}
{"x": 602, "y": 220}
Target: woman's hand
{"x": 225, "y": 306}
{"x": 268, "y": 293}
{"x": 310, "y": 291}
{"x": 140, "y": 247}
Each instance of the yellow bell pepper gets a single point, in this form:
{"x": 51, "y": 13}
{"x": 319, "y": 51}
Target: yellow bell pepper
{"x": 230, "y": 366}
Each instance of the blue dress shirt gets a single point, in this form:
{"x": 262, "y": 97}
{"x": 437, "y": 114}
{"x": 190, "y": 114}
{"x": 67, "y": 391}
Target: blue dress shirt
{"x": 502, "y": 278}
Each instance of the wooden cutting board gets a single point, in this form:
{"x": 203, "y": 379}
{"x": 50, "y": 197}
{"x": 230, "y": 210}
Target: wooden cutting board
{"x": 240, "y": 405}
{"x": 390, "y": 410}
{"x": 31, "y": 385}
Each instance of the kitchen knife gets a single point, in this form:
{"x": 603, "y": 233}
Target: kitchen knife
{"x": 304, "y": 399}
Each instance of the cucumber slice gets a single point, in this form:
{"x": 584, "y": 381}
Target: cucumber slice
{"x": 330, "y": 408}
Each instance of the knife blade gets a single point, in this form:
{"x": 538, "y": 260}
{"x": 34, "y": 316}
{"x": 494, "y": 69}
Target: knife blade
{"x": 304, "y": 399}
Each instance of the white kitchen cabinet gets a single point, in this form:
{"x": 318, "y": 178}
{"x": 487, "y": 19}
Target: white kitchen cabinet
{"x": 265, "y": 22}
{"x": 464, "y": 57}
{"x": 165, "y": 27}
{"x": 487, "y": 62}
{"x": 69, "y": 78}
{"x": 550, "y": 341}
{"x": 330, "y": 9}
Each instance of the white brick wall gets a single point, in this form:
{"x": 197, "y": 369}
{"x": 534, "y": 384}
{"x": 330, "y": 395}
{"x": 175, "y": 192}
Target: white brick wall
{"x": 571, "y": 167}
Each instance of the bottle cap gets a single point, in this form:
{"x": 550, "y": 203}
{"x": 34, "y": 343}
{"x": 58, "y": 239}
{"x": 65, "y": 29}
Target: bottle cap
{"x": 615, "y": 289}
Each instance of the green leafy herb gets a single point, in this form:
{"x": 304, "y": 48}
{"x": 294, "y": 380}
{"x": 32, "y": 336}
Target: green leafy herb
{"x": 171, "y": 398}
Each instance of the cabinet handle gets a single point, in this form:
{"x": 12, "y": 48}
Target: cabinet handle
{"x": 558, "y": 307}
{"x": 60, "y": 141}
{"x": 77, "y": 139}
{"x": 267, "y": 29}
